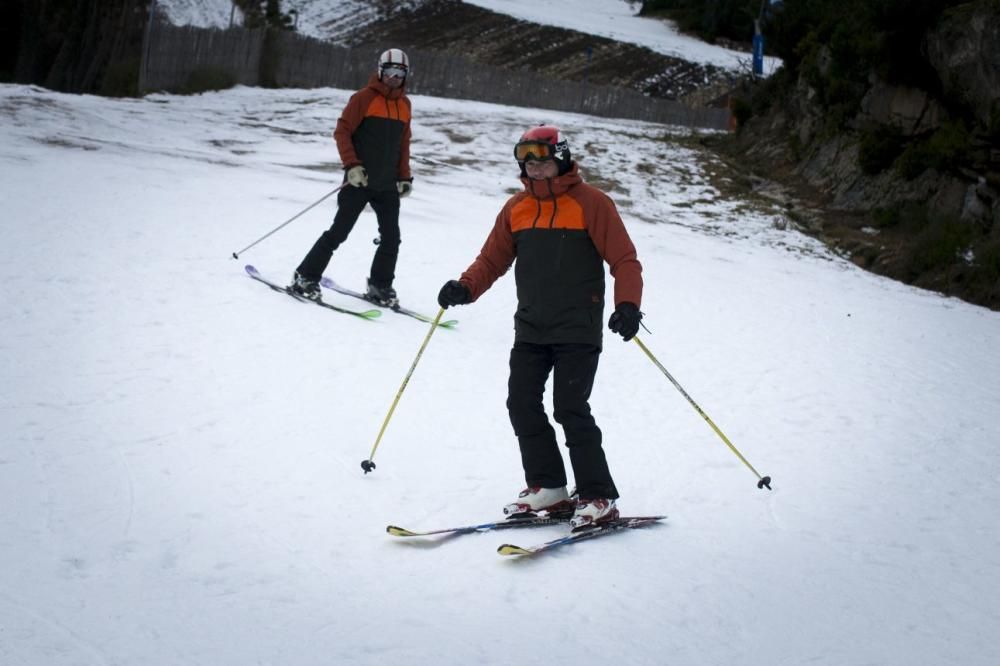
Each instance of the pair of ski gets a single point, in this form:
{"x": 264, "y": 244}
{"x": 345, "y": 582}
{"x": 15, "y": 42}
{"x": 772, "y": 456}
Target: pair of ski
{"x": 333, "y": 286}
{"x": 604, "y": 529}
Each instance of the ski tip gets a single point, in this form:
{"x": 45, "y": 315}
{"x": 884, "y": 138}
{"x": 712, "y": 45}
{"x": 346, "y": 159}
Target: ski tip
{"x": 511, "y": 549}
{"x": 451, "y": 323}
{"x": 399, "y": 531}
{"x": 249, "y": 268}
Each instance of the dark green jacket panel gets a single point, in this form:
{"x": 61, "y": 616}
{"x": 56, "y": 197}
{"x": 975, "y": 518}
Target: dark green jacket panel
{"x": 377, "y": 142}
{"x": 560, "y": 287}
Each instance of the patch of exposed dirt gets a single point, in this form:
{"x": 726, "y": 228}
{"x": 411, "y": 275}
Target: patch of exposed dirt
{"x": 886, "y": 251}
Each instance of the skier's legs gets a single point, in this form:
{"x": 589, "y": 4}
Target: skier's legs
{"x": 350, "y": 202}
{"x": 386, "y": 207}
{"x": 573, "y": 379}
{"x": 529, "y": 369}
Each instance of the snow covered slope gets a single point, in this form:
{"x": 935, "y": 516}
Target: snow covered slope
{"x": 180, "y": 457}
{"x": 619, "y": 20}
{"x": 615, "y": 19}
{"x": 199, "y": 13}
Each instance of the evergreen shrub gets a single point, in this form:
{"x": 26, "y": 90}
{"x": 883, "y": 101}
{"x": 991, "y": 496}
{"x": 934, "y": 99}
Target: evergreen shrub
{"x": 878, "y": 149}
{"x": 121, "y": 79}
{"x": 209, "y": 78}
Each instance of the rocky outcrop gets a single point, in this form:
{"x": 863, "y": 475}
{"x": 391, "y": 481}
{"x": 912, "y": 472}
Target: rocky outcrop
{"x": 909, "y": 111}
{"x": 962, "y": 196}
{"x": 965, "y": 52}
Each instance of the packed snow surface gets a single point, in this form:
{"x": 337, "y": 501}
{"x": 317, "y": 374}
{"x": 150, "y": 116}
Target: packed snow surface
{"x": 181, "y": 449}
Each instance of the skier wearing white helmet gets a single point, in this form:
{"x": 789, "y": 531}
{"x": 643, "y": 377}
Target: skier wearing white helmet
{"x": 373, "y": 138}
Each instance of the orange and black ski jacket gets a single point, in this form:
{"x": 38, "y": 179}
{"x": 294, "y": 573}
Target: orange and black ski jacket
{"x": 560, "y": 232}
{"x": 374, "y": 131}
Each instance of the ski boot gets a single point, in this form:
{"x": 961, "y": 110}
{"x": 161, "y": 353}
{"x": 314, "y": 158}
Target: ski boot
{"x": 592, "y": 512}
{"x": 305, "y": 287}
{"x": 384, "y": 296}
{"x": 554, "y": 501}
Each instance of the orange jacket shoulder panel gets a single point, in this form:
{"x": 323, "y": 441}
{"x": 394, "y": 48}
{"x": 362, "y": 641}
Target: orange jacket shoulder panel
{"x": 391, "y": 109}
{"x": 564, "y": 213}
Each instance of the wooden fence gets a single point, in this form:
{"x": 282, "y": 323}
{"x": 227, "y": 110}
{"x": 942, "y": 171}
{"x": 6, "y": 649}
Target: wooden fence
{"x": 173, "y": 55}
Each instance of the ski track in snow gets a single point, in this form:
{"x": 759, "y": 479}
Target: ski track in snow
{"x": 182, "y": 446}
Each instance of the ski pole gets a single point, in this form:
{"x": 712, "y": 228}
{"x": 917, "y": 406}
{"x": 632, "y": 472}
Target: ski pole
{"x": 764, "y": 481}
{"x": 368, "y": 465}
{"x": 236, "y": 255}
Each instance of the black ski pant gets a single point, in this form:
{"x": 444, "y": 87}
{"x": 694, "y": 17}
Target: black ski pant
{"x": 350, "y": 202}
{"x": 574, "y": 366}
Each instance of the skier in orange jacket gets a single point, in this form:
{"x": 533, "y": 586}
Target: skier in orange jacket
{"x": 561, "y": 232}
{"x": 373, "y": 138}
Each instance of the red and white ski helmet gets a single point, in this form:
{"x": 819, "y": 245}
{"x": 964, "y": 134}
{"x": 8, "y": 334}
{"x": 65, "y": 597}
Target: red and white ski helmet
{"x": 544, "y": 142}
{"x": 393, "y": 58}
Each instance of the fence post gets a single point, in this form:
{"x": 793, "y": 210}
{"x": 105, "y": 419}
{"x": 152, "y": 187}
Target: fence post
{"x": 144, "y": 60}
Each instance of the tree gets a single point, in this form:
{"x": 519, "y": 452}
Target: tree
{"x": 75, "y": 45}
{"x": 264, "y": 14}
{"x": 709, "y": 19}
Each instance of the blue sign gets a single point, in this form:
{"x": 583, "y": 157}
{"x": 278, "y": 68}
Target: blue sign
{"x": 758, "y": 54}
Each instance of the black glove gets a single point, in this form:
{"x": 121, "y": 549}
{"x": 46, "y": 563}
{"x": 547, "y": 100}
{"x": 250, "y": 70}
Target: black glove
{"x": 625, "y": 320}
{"x": 453, "y": 293}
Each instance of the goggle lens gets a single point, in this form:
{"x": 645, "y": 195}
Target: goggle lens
{"x": 394, "y": 72}
{"x": 532, "y": 150}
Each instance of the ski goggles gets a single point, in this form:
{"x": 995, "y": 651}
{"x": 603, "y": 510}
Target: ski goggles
{"x": 534, "y": 150}
{"x": 394, "y": 72}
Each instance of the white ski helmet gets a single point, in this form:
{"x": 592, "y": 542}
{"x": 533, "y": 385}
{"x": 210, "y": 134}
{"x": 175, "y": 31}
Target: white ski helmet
{"x": 393, "y": 58}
